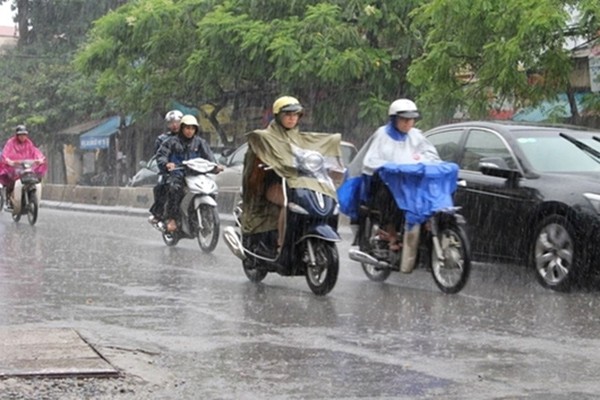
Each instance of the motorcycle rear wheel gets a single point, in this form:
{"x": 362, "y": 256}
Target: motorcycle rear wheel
{"x": 322, "y": 276}
{"x": 208, "y": 237}
{"x": 364, "y": 242}
{"x": 32, "y": 208}
{"x": 451, "y": 274}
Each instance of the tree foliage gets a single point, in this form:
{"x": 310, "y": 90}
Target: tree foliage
{"x": 345, "y": 60}
{"x": 40, "y": 86}
{"x": 480, "y": 53}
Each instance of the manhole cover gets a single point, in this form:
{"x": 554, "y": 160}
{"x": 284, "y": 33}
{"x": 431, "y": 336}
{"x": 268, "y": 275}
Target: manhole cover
{"x": 49, "y": 353}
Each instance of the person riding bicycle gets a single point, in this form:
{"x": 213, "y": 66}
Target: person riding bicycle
{"x": 185, "y": 145}
{"x": 18, "y": 148}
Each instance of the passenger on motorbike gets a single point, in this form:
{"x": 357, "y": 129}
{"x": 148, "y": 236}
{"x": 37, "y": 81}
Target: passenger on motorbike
{"x": 18, "y": 148}
{"x": 173, "y": 121}
{"x": 185, "y": 145}
{"x": 396, "y": 142}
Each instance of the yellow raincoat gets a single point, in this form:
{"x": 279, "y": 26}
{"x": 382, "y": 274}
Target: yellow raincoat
{"x": 275, "y": 147}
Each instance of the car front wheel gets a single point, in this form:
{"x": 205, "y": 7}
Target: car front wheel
{"x": 556, "y": 255}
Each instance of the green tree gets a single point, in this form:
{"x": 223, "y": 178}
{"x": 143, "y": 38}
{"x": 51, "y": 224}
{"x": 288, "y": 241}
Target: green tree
{"x": 40, "y": 85}
{"x": 345, "y": 60}
{"x": 480, "y": 53}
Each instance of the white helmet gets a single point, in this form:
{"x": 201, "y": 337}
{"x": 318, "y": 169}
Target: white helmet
{"x": 189, "y": 120}
{"x": 404, "y": 108}
{"x": 173, "y": 115}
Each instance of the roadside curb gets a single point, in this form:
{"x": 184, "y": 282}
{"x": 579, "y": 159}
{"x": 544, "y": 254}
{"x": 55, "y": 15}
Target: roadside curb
{"x": 124, "y": 200}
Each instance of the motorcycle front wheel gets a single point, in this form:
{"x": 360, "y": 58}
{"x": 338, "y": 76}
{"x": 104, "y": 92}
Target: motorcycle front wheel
{"x": 208, "y": 236}
{"x": 16, "y": 216}
{"x": 322, "y": 276}
{"x": 452, "y": 271}
{"x": 32, "y": 208}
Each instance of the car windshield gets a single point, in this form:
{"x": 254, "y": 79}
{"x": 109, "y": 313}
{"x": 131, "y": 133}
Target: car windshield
{"x": 549, "y": 152}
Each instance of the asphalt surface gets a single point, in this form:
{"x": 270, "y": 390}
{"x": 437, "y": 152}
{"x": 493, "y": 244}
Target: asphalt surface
{"x": 180, "y": 324}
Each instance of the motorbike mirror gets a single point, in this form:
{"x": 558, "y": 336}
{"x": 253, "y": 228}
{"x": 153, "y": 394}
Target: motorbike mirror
{"x": 143, "y": 164}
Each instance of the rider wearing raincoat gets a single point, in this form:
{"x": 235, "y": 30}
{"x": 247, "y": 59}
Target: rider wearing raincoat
{"x": 18, "y": 148}
{"x": 399, "y": 172}
{"x": 275, "y": 147}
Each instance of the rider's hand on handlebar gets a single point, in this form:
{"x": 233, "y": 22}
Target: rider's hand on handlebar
{"x": 170, "y": 166}
{"x": 217, "y": 169}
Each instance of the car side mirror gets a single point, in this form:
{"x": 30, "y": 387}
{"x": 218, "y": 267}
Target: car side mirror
{"x": 493, "y": 162}
{"x": 496, "y": 166}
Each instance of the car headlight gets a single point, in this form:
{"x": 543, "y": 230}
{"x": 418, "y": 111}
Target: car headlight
{"x": 594, "y": 200}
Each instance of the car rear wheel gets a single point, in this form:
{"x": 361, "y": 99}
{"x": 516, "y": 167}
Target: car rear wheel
{"x": 556, "y": 255}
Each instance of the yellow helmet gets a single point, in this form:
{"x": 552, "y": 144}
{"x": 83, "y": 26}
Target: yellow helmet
{"x": 287, "y": 104}
{"x": 189, "y": 120}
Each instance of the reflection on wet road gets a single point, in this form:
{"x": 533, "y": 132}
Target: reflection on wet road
{"x": 220, "y": 336}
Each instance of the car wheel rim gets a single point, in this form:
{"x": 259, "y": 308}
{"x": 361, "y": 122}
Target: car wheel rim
{"x": 554, "y": 253}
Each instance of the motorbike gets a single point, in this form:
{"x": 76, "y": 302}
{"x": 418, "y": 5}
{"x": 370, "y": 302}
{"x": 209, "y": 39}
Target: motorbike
{"x": 439, "y": 243}
{"x": 199, "y": 216}
{"x": 310, "y": 234}
{"x": 27, "y": 192}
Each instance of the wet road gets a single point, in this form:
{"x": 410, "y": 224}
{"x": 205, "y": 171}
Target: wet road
{"x": 206, "y": 332}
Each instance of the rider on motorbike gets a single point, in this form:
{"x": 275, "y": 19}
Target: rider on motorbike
{"x": 173, "y": 120}
{"x": 262, "y": 190}
{"x": 185, "y": 145}
{"x": 18, "y": 148}
{"x": 396, "y": 142}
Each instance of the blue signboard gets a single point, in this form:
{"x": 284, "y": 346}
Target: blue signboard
{"x": 99, "y": 136}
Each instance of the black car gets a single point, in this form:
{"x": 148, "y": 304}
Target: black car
{"x": 530, "y": 194}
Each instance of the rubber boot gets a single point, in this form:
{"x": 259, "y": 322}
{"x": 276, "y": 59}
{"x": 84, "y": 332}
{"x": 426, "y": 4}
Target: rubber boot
{"x": 410, "y": 247}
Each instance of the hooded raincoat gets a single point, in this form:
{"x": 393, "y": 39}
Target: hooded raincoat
{"x": 14, "y": 150}
{"x": 409, "y": 166}
{"x": 278, "y": 148}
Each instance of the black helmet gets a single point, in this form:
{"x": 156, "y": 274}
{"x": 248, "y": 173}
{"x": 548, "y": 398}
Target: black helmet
{"x": 21, "y": 130}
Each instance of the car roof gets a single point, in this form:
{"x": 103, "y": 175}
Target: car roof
{"x": 507, "y": 126}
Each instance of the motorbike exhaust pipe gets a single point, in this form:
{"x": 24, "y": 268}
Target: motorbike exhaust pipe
{"x": 232, "y": 240}
{"x": 362, "y": 257}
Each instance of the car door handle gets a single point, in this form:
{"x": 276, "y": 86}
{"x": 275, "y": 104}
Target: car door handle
{"x": 462, "y": 183}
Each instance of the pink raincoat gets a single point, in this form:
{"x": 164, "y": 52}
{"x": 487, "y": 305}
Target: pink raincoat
{"x": 14, "y": 150}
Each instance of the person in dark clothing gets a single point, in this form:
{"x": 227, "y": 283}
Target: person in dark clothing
{"x": 173, "y": 120}
{"x": 176, "y": 149}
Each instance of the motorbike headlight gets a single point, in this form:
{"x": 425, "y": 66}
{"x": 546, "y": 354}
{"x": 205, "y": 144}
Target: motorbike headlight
{"x": 312, "y": 161}
{"x": 594, "y": 200}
